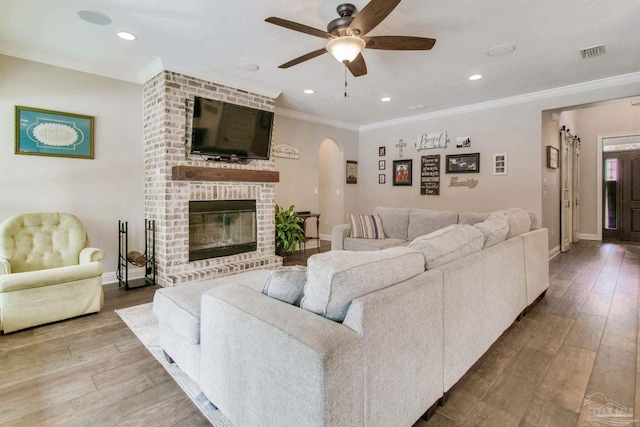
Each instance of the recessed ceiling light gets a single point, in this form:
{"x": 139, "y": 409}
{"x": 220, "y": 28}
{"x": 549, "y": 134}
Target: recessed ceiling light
{"x": 475, "y": 77}
{"x": 246, "y": 66}
{"x": 501, "y": 49}
{"x": 385, "y": 99}
{"x": 309, "y": 91}
{"x": 125, "y": 35}
{"x": 92, "y": 17}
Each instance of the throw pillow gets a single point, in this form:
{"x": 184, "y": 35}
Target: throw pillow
{"x": 365, "y": 226}
{"x": 448, "y": 244}
{"x": 518, "y": 219}
{"x": 472, "y": 218}
{"x": 423, "y": 222}
{"x": 286, "y": 284}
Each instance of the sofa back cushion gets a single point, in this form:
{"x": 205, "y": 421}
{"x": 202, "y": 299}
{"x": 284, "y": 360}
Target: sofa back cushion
{"x": 518, "y": 219}
{"x": 472, "y": 218}
{"x": 495, "y": 230}
{"x": 286, "y": 284}
{"x": 395, "y": 221}
{"x": 365, "y": 227}
{"x": 448, "y": 244}
{"x": 423, "y": 222}
{"x": 336, "y": 278}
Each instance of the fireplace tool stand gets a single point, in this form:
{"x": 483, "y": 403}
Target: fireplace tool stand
{"x": 146, "y": 259}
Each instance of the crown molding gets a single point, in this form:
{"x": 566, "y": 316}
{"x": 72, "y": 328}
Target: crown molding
{"x": 316, "y": 119}
{"x": 519, "y": 99}
{"x": 158, "y": 65}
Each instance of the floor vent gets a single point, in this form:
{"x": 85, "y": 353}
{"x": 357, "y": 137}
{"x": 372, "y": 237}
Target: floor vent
{"x": 591, "y": 52}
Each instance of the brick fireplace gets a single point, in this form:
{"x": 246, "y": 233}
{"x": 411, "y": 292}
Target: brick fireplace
{"x": 168, "y": 109}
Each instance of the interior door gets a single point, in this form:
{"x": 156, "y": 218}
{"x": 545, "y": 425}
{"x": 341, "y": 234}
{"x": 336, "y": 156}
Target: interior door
{"x": 566, "y": 204}
{"x": 611, "y": 195}
{"x": 575, "y": 238}
{"x": 630, "y": 230}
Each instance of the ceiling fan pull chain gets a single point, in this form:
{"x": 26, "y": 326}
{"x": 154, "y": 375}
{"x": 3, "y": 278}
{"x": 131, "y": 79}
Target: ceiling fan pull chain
{"x": 345, "y": 80}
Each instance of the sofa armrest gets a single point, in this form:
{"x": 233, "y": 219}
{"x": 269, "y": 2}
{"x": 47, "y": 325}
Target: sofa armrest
{"x": 536, "y": 261}
{"x": 5, "y": 266}
{"x": 91, "y": 255}
{"x": 49, "y": 276}
{"x": 338, "y": 234}
{"x": 265, "y": 362}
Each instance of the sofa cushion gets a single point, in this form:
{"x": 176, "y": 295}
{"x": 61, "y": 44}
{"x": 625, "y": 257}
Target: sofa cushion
{"x": 448, "y": 244}
{"x": 336, "y": 278}
{"x": 423, "y": 222}
{"x": 370, "y": 244}
{"x": 518, "y": 219}
{"x": 472, "y": 218}
{"x": 395, "y": 221}
{"x": 495, "y": 230}
{"x": 365, "y": 226}
{"x": 179, "y": 306}
{"x": 286, "y": 284}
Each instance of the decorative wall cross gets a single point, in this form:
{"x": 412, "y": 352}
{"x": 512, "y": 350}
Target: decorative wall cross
{"x": 400, "y": 146}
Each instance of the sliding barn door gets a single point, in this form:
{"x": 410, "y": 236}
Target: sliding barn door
{"x": 575, "y": 238}
{"x": 566, "y": 187}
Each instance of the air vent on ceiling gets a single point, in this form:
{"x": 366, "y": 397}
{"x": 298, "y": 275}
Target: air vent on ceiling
{"x": 594, "y": 51}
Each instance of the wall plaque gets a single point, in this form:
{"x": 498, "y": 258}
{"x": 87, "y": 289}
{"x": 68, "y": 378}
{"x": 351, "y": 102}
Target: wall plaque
{"x": 286, "y": 151}
{"x": 427, "y": 141}
{"x": 430, "y": 175}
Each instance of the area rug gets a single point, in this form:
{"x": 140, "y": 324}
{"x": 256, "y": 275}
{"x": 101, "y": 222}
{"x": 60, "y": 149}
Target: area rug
{"x": 144, "y": 324}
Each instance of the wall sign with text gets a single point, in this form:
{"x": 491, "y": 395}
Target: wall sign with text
{"x": 430, "y": 175}
{"x": 428, "y": 141}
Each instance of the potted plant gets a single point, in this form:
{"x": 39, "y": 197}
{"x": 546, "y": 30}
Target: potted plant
{"x": 288, "y": 230}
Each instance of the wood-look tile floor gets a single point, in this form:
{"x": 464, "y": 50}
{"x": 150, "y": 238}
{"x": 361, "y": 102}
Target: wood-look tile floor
{"x": 579, "y": 340}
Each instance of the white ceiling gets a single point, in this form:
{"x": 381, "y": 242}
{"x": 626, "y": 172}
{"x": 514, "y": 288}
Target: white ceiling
{"x": 208, "y": 38}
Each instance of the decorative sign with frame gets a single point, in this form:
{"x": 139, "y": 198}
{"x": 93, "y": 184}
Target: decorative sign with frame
{"x": 402, "y": 172}
{"x": 463, "y": 163}
{"x": 430, "y": 175}
{"x": 53, "y": 133}
{"x": 552, "y": 157}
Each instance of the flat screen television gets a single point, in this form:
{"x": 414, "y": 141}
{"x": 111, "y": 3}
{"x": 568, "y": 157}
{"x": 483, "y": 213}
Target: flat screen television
{"x": 224, "y": 131}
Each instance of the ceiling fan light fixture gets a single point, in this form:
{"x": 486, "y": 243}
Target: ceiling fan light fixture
{"x": 346, "y": 48}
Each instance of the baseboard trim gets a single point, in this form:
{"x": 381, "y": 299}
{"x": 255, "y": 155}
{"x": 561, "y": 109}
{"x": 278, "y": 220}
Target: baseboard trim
{"x": 554, "y": 252}
{"x": 585, "y": 236}
{"x": 112, "y": 277}
{"x": 325, "y": 236}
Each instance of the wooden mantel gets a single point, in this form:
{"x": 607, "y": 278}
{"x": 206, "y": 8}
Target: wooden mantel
{"x": 196, "y": 173}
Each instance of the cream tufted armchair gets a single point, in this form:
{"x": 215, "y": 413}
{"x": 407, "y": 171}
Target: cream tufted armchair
{"x": 47, "y": 272}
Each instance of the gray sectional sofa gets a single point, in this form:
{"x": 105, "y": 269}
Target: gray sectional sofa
{"x": 378, "y": 336}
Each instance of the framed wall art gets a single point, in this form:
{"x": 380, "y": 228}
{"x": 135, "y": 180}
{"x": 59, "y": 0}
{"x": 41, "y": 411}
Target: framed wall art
{"x": 402, "y": 172}
{"x": 382, "y": 165}
{"x": 500, "y": 164}
{"x": 382, "y": 151}
{"x": 463, "y": 163}
{"x": 53, "y": 133}
{"x": 352, "y": 172}
{"x": 382, "y": 178}
{"x": 552, "y": 157}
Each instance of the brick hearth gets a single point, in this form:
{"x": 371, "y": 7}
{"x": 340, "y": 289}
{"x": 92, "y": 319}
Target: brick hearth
{"x": 168, "y": 109}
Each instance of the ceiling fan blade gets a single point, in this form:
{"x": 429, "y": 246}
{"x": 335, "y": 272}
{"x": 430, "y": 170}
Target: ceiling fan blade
{"x": 303, "y": 58}
{"x": 399, "y": 43}
{"x": 371, "y": 15}
{"x": 299, "y": 27}
{"x": 357, "y": 67}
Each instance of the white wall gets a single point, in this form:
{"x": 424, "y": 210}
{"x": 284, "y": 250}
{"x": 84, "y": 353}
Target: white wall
{"x": 300, "y": 178}
{"x": 99, "y": 191}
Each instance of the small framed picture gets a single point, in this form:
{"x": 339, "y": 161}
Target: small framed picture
{"x": 382, "y": 179}
{"x": 382, "y": 165}
{"x": 352, "y": 172}
{"x": 382, "y": 151}
{"x": 552, "y": 157}
{"x": 500, "y": 164}
{"x": 402, "y": 171}
{"x": 463, "y": 163}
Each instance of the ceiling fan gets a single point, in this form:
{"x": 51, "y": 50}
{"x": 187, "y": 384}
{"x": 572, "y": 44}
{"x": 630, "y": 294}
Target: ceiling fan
{"x": 347, "y": 35}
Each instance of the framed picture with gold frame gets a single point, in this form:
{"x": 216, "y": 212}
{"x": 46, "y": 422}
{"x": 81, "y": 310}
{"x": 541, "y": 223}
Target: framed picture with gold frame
{"x": 53, "y": 133}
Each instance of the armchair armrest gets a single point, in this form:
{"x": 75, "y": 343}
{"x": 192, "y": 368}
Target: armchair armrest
{"x": 91, "y": 255}
{"x": 265, "y": 362}
{"x": 338, "y": 234}
{"x": 5, "y": 266}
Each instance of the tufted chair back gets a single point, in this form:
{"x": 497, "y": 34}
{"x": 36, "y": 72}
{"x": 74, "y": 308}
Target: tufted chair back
{"x": 37, "y": 241}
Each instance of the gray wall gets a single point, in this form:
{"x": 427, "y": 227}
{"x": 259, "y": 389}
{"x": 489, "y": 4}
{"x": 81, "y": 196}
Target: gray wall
{"x": 100, "y": 191}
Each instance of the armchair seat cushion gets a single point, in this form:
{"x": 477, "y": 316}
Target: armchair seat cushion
{"x": 48, "y": 277}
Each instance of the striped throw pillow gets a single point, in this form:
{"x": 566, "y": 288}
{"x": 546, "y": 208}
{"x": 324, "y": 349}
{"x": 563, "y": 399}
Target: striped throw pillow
{"x": 366, "y": 226}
